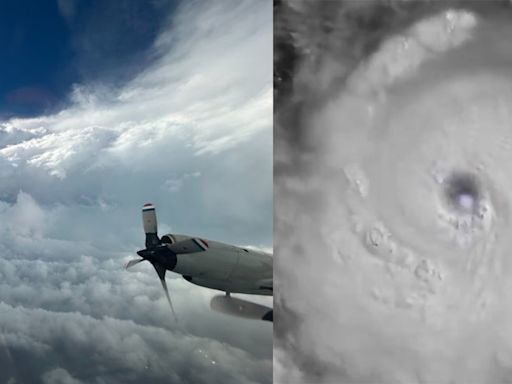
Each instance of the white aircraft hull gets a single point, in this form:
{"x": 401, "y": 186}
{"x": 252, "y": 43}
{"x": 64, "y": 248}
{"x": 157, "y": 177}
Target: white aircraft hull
{"x": 228, "y": 268}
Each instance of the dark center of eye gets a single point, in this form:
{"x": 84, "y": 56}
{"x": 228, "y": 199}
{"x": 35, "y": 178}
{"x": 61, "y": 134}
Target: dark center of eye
{"x": 462, "y": 192}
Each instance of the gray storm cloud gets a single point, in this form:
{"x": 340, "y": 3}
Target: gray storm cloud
{"x": 192, "y": 133}
{"x": 393, "y": 197}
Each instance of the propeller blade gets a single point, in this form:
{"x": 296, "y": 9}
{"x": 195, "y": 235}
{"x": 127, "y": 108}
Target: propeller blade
{"x": 161, "y": 275}
{"x": 150, "y": 225}
{"x": 133, "y": 262}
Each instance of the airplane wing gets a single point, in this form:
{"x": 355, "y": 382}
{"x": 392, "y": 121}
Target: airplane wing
{"x": 191, "y": 245}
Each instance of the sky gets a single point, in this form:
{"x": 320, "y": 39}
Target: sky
{"x": 388, "y": 123}
{"x": 106, "y": 106}
{"x": 50, "y": 45}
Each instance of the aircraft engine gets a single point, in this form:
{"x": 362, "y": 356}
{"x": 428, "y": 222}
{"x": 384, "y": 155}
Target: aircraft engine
{"x": 172, "y": 239}
{"x": 167, "y": 239}
{"x": 241, "y": 308}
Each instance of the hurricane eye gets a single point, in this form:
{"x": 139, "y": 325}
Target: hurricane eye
{"x": 462, "y": 192}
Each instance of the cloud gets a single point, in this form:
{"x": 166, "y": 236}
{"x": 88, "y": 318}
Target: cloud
{"x": 175, "y": 184}
{"x": 120, "y": 350}
{"x": 191, "y": 133}
{"x": 59, "y": 376}
{"x": 395, "y": 298}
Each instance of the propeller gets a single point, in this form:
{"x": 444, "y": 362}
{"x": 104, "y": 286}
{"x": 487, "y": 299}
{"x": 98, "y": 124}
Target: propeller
{"x": 161, "y": 274}
{"x": 131, "y": 263}
{"x": 155, "y": 252}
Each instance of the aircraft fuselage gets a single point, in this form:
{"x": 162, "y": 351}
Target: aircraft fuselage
{"x": 227, "y": 268}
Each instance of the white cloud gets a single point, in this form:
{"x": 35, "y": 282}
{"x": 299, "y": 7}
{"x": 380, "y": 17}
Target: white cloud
{"x": 59, "y": 376}
{"x": 202, "y": 98}
{"x": 175, "y": 184}
{"x": 117, "y": 350}
{"x": 407, "y": 304}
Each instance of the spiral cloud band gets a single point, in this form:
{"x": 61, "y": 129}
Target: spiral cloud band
{"x": 405, "y": 215}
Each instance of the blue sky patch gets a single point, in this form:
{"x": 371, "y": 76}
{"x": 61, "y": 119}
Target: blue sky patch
{"x": 47, "y": 46}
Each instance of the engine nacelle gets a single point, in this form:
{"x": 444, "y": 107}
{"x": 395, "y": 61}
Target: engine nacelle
{"x": 172, "y": 239}
{"x": 241, "y": 308}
